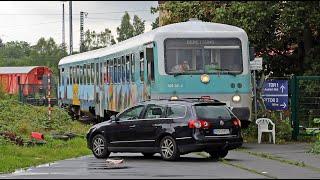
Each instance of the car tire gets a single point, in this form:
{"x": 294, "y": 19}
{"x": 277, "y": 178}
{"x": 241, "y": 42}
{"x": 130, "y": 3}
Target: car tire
{"x": 169, "y": 149}
{"x": 148, "y": 155}
{"x": 99, "y": 147}
{"x": 218, "y": 154}
{"x": 223, "y": 153}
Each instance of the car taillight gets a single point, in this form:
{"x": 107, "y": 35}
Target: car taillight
{"x": 198, "y": 124}
{"x": 236, "y": 122}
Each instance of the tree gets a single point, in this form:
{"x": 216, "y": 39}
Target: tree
{"x": 1, "y": 43}
{"x": 155, "y": 24}
{"x": 138, "y": 25}
{"x": 126, "y": 30}
{"x": 93, "y": 40}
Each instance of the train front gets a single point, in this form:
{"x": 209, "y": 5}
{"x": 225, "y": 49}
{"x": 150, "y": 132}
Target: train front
{"x": 215, "y": 67}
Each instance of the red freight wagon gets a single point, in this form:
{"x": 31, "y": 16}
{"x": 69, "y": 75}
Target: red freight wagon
{"x": 10, "y": 77}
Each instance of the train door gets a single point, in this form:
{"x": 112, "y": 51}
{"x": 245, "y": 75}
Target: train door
{"x": 98, "y": 91}
{"x": 149, "y": 73}
{"x": 96, "y": 88}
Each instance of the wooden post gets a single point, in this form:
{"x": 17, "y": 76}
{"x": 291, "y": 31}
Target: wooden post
{"x": 49, "y": 95}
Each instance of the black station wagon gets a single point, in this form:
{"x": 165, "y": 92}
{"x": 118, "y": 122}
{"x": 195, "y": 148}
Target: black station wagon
{"x": 169, "y": 127}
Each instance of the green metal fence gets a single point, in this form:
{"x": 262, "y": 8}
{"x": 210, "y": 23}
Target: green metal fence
{"x": 305, "y": 105}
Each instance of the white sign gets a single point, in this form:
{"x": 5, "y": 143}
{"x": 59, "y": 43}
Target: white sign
{"x": 256, "y": 64}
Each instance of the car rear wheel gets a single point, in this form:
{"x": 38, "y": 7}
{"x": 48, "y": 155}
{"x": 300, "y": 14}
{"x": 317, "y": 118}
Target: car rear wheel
{"x": 168, "y": 149}
{"x": 99, "y": 147}
{"x": 148, "y": 155}
{"x": 218, "y": 154}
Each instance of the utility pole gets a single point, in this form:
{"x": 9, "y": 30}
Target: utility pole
{"x": 70, "y": 22}
{"x": 63, "y": 28}
{"x": 81, "y": 29}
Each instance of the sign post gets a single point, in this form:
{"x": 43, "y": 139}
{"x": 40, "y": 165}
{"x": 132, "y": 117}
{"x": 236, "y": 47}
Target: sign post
{"x": 275, "y": 94}
{"x": 256, "y": 64}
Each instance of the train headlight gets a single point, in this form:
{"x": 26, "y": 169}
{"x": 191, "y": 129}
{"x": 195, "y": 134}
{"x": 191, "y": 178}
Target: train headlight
{"x": 174, "y": 98}
{"x": 205, "y": 78}
{"x": 236, "y": 98}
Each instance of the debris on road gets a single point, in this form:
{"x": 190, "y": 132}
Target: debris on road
{"x": 115, "y": 163}
{"x": 64, "y": 136}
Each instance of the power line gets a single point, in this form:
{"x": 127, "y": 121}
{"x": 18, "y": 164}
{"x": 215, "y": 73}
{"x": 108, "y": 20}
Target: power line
{"x": 30, "y": 24}
{"x": 54, "y": 14}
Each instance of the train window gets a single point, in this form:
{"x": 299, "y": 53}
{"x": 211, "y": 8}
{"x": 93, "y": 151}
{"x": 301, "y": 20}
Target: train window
{"x": 132, "y": 67}
{"x": 150, "y": 65}
{"x": 69, "y": 76}
{"x": 115, "y": 71}
{"x": 81, "y": 75}
{"x": 101, "y": 73}
{"x": 78, "y": 74}
{"x": 123, "y": 72}
{"x": 110, "y": 71}
{"x": 97, "y": 74}
{"x": 92, "y": 73}
{"x": 141, "y": 66}
{"x": 119, "y": 70}
{"x": 127, "y": 68}
{"x": 87, "y": 73}
{"x": 105, "y": 71}
{"x": 72, "y": 76}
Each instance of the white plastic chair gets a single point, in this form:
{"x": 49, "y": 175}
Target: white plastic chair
{"x": 263, "y": 127}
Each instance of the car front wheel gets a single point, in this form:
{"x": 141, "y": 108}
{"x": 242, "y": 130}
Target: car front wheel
{"x": 99, "y": 147}
{"x": 168, "y": 149}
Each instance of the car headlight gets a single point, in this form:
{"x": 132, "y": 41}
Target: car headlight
{"x": 236, "y": 98}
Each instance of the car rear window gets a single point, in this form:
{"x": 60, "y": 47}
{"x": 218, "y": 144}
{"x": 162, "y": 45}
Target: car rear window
{"x": 212, "y": 112}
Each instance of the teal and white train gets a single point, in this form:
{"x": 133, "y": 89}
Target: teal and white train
{"x": 188, "y": 59}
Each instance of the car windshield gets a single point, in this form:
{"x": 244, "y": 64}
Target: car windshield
{"x": 194, "y": 56}
{"x": 204, "y": 111}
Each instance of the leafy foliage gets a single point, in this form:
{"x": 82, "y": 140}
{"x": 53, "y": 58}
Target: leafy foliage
{"x": 127, "y": 30}
{"x": 93, "y": 40}
{"x": 138, "y": 25}
{"x": 44, "y": 53}
{"x": 24, "y": 119}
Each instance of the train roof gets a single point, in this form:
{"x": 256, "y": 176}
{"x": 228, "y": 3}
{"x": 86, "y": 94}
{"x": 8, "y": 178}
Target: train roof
{"x": 17, "y": 70}
{"x": 183, "y": 27}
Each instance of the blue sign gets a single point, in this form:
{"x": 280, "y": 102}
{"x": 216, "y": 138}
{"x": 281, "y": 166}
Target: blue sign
{"x": 275, "y": 94}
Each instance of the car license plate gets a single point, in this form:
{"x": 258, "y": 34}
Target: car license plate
{"x": 221, "y": 131}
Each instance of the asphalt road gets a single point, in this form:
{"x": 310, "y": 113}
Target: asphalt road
{"x": 236, "y": 165}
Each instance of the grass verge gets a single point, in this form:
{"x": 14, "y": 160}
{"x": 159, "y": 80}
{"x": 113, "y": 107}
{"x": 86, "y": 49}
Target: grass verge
{"x": 14, "y": 157}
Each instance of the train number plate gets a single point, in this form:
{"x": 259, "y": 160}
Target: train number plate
{"x": 221, "y": 131}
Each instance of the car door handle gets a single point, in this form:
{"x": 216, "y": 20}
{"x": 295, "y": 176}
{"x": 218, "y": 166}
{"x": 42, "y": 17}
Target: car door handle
{"x": 132, "y": 126}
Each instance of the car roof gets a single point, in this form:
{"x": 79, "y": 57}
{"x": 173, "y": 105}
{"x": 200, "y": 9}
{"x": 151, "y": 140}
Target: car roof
{"x": 185, "y": 101}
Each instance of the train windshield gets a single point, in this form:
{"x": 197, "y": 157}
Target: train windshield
{"x": 197, "y": 56}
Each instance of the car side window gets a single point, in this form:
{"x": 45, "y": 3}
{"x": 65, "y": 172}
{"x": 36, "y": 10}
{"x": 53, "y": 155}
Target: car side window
{"x": 176, "y": 111}
{"x": 130, "y": 114}
{"x": 154, "y": 111}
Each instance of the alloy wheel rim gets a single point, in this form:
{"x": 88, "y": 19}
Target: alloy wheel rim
{"x": 167, "y": 148}
{"x": 98, "y": 146}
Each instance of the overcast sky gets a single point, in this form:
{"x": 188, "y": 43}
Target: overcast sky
{"x": 30, "y": 20}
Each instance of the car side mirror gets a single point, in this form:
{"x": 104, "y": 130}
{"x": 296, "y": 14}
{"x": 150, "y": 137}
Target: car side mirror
{"x": 251, "y": 53}
{"x": 114, "y": 118}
